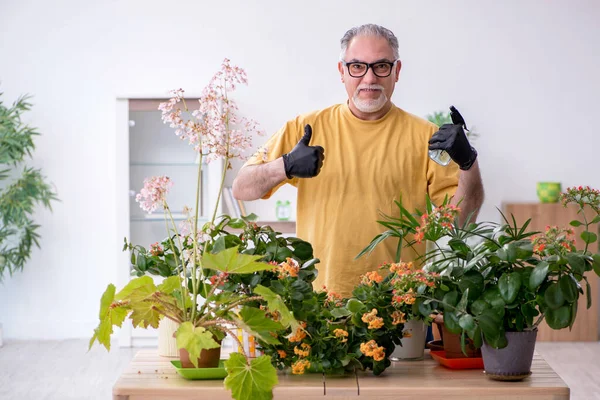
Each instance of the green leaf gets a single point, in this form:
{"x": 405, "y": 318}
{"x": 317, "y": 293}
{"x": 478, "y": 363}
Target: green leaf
{"x": 554, "y": 297}
{"x": 459, "y": 247}
{"x": 170, "y": 284}
{"x": 589, "y": 237}
{"x": 355, "y": 306}
{"x": 473, "y": 282}
{"x": 232, "y": 262}
{"x": 276, "y": 303}
{"x": 451, "y": 322}
{"x": 250, "y": 382}
{"x": 558, "y": 318}
{"x": 303, "y": 250}
{"x": 137, "y": 288}
{"x": 194, "y": 340}
{"x": 573, "y": 314}
{"x": 479, "y": 306}
{"x": 568, "y": 288}
{"x": 575, "y": 223}
{"x": 492, "y": 297}
{"x": 588, "y": 292}
{"x": 577, "y": 262}
{"x": 509, "y": 285}
{"x": 467, "y": 322}
{"x": 450, "y": 298}
{"x": 340, "y": 312}
{"x": 538, "y": 275}
{"x": 462, "y": 304}
{"x": 255, "y": 322}
{"x": 596, "y": 263}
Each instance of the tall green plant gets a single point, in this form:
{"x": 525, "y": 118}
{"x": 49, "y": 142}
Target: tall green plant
{"x": 21, "y": 190}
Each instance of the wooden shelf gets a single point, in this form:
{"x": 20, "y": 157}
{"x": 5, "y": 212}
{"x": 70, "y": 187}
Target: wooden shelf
{"x": 585, "y": 328}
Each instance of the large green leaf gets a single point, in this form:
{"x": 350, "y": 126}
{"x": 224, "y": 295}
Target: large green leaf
{"x": 170, "y": 284}
{"x": 451, "y": 322}
{"x": 467, "y": 322}
{"x": 250, "y": 382}
{"x": 355, "y": 306}
{"x": 589, "y": 237}
{"x": 538, "y": 275}
{"x": 276, "y": 303}
{"x": 596, "y": 263}
{"x": 553, "y": 296}
{"x": 577, "y": 262}
{"x": 473, "y": 281}
{"x": 137, "y": 289}
{"x": 558, "y": 318}
{"x": 509, "y": 285}
{"x": 110, "y": 316}
{"x": 255, "y": 322}
{"x": 194, "y": 340}
{"x": 568, "y": 287}
{"x": 232, "y": 262}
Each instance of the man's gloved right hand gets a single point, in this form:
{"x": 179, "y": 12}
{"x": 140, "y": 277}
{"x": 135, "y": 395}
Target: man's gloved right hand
{"x": 304, "y": 161}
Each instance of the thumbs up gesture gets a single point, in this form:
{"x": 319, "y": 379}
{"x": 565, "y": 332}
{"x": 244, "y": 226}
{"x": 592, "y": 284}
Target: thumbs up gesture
{"x": 304, "y": 161}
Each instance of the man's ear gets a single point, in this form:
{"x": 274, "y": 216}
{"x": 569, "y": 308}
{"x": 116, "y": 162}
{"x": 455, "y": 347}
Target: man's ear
{"x": 398, "y": 68}
{"x": 341, "y": 69}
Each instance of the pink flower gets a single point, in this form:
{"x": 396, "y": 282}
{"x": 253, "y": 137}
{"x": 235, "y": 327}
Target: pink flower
{"x": 153, "y": 193}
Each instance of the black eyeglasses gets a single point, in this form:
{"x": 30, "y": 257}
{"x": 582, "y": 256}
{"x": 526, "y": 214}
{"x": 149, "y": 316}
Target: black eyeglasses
{"x": 381, "y": 69}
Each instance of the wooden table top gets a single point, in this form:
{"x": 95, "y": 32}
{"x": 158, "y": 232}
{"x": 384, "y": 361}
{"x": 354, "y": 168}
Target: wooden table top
{"x": 152, "y": 377}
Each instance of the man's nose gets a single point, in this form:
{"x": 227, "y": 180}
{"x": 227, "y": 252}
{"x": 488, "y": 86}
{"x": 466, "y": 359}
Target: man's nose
{"x": 370, "y": 76}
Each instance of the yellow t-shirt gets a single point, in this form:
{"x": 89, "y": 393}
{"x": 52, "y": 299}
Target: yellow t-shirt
{"x": 368, "y": 165}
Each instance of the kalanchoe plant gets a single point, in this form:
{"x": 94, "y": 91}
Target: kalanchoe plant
{"x": 198, "y": 261}
{"x": 337, "y": 334}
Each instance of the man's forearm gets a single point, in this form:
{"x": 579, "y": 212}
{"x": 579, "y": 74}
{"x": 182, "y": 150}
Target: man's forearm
{"x": 470, "y": 191}
{"x": 253, "y": 181}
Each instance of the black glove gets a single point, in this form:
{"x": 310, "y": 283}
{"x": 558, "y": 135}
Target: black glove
{"x": 452, "y": 139}
{"x": 304, "y": 161}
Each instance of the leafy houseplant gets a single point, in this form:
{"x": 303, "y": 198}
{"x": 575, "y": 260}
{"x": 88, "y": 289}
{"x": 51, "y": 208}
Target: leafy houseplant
{"x": 18, "y": 199}
{"x": 195, "y": 259}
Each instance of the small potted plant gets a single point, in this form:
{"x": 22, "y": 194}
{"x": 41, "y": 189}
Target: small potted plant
{"x": 408, "y": 285}
{"x": 194, "y": 259}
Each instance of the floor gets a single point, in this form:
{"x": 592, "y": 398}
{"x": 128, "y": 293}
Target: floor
{"x": 64, "y": 370}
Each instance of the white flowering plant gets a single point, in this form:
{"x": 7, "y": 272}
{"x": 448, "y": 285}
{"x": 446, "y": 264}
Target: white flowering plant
{"x": 196, "y": 270}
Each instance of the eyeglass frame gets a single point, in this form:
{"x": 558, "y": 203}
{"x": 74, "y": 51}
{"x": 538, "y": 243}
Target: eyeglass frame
{"x": 390, "y": 63}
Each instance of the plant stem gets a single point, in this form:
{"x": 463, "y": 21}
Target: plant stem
{"x": 181, "y": 279}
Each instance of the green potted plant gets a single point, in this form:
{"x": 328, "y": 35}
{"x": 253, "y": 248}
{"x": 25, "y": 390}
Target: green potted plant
{"x": 196, "y": 264}
{"x": 499, "y": 281}
{"x": 21, "y": 190}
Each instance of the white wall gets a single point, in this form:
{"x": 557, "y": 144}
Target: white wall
{"x": 524, "y": 72}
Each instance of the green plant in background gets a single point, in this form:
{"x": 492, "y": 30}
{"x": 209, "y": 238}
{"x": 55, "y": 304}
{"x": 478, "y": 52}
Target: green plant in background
{"x": 21, "y": 191}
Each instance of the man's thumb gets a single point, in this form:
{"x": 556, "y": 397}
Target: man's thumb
{"x": 307, "y": 135}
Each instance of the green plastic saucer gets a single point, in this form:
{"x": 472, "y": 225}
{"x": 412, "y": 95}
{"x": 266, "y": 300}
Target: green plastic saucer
{"x": 200, "y": 373}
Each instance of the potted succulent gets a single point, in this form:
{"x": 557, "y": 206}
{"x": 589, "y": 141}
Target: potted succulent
{"x": 499, "y": 281}
{"x": 195, "y": 260}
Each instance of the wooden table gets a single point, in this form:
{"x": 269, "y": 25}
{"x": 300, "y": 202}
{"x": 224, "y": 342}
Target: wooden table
{"x": 151, "y": 377}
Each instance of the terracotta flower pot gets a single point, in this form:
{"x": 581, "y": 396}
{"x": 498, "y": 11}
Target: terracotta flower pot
{"x": 451, "y": 342}
{"x": 209, "y": 358}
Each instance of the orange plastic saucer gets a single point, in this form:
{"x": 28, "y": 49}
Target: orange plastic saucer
{"x": 456, "y": 363}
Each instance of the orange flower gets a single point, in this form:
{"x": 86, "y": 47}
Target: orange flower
{"x": 370, "y": 349}
{"x": 282, "y": 354}
{"x": 371, "y": 277}
{"x": 289, "y": 267}
{"x": 398, "y": 317}
{"x": 303, "y": 351}
{"x": 371, "y": 319}
{"x": 341, "y": 334}
{"x": 300, "y": 366}
{"x": 299, "y": 334}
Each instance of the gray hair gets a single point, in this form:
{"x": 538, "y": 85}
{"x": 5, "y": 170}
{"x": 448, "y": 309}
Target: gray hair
{"x": 369, "y": 30}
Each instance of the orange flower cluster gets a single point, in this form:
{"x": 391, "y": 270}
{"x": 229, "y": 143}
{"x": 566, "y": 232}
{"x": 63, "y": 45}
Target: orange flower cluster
{"x": 287, "y": 268}
{"x": 282, "y": 354}
{"x": 303, "y": 351}
{"x": 156, "y": 250}
{"x": 371, "y": 277}
{"x": 554, "y": 240}
{"x": 372, "y": 319}
{"x": 398, "y": 317}
{"x": 442, "y": 216}
{"x": 299, "y": 334}
{"x": 341, "y": 334}
{"x": 407, "y": 298}
{"x": 370, "y": 349}
{"x": 582, "y": 196}
{"x": 334, "y": 299}
{"x": 300, "y": 366}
